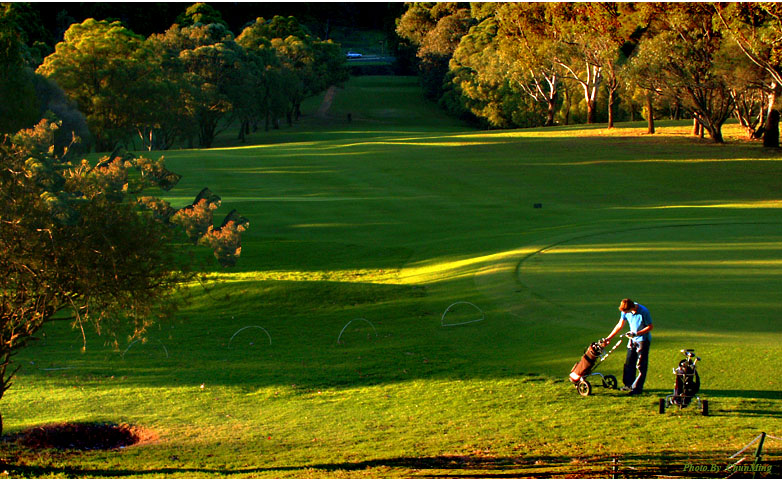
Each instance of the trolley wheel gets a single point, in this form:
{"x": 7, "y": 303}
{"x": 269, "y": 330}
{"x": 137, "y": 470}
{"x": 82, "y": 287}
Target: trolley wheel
{"x": 705, "y": 407}
{"x": 662, "y": 405}
{"x": 610, "y": 382}
{"x": 584, "y": 388}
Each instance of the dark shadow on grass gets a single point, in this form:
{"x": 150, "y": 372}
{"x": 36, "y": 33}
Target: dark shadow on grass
{"x": 748, "y": 394}
{"x": 468, "y": 466}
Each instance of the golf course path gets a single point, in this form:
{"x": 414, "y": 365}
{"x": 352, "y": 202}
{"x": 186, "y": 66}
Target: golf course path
{"x": 327, "y": 99}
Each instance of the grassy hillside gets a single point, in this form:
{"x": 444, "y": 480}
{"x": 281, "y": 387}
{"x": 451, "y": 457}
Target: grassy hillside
{"x": 367, "y": 231}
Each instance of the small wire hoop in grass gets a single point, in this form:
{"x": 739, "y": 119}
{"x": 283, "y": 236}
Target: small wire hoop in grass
{"x": 137, "y": 340}
{"x": 442, "y": 319}
{"x": 250, "y": 327}
{"x": 356, "y": 319}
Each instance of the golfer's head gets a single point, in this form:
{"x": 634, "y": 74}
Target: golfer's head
{"x": 627, "y": 305}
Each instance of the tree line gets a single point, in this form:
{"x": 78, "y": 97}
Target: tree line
{"x": 536, "y": 64}
{"x": 113, "y": 87}
{"x": 89, "y": 243}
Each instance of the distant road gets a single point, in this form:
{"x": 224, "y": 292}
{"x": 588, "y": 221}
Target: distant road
{"x": 371, "y": 58}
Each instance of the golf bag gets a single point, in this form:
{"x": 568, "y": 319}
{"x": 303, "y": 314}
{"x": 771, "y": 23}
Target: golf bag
{"x": 592, "y": 357}
{"x": 584, "y": 366}
{"x": 687, "y": 384}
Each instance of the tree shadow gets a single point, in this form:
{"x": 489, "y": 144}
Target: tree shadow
{"x": 704, "y": 465}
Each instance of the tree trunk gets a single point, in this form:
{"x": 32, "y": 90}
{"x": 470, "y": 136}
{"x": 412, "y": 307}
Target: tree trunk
{"x": 771, "y": 133}
{"x": 590, "y": 111}
{"x": 714, "y": 129}
{"x": 649, "y": 115}
{"x": 241, "y": 131}
{"x": 552, "y": 110}
{"x": 716, "y": 134}
{"x": 552, "y": 100}
{"x": 610, "y": 109}
{"x": 697, "y": 129}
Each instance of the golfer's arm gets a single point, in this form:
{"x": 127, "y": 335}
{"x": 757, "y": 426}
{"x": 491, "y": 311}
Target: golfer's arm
{"x": 617, "y": 328}
{"x": 645, "y": 329}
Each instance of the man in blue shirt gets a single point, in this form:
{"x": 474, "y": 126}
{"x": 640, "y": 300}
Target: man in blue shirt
{"x": 640, "y": 322}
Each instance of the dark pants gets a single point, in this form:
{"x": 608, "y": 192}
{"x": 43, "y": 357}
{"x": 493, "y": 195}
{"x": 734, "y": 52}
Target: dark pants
{"x": 637, "y": 360}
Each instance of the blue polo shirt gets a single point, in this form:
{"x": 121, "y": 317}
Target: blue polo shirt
{"x": 638, "y": 321}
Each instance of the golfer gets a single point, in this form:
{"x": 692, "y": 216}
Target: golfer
{"x": 640, "y": 322}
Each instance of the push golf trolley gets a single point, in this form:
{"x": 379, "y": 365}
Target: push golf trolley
{"x": 593, "y": 356}
{"x": 687, "y": 385}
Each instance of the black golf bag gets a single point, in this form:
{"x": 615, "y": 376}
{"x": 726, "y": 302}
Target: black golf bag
{"x": 687, "y": 384}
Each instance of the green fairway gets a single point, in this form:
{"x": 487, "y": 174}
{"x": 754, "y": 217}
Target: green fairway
{"x": 368, "y": 230}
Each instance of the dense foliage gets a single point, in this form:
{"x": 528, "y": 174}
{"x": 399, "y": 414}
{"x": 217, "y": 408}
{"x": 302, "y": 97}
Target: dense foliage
{"x": 83, "y": 242}
{"x": 522, "y": 64}
{"x": 184, "y": 85}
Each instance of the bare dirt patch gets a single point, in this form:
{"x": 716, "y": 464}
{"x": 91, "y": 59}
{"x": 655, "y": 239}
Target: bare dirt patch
{"x": 84, "y": 436}
{"x": 325, "y": 105}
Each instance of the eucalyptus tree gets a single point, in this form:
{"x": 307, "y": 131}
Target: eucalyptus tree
{"x": 476, "y": 81}
{"x": 435, "y": 30}
{"x": 525, "y": 40}
{"x": 105, "y": 68}
{"x": 587, "y": 40}
{"x": 264, "y": 87}
{"x": 169, "y": 103}
{"x": 306, "y": 64}
{"x": 755, "y": 28}
{"x": 750, "y": 86}
{"x": 682, "y": 51}
{"x": 212, "y": 68}
{"x": 202, "y": 14}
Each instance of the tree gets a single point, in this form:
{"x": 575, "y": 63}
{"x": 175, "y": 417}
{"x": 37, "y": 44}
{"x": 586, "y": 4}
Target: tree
{"x": 485, "y": 82}
{"x": 435, "y": 30}
{"x": 750, "y": 87}
{"x": 587, "y": 47}
{"x": 755, "y": 28}
{"x": 477, "y": 83}
{"x": 314, "y": 64}
{"x": 683, "y": 55}
{"x": 81, "y": 242}
{"x": 263, "y": 89}
{"x": 211, "y": 68}
{"x": 18, "y": 103}
{"x": 171, "y": 105}
{"x": 200, "y": 14}
{"x": 525, "y": 39}
{"x": 34, "y": 37}
{"x": 105, "y": 68}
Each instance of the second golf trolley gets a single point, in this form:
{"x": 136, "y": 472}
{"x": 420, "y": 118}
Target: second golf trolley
{"x": 687, "y": 385}
{"x": 584, "y": 368}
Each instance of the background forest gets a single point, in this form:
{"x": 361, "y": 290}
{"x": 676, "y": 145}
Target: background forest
{"x": 181, "y": 77}
{"x": 530, "y": 64}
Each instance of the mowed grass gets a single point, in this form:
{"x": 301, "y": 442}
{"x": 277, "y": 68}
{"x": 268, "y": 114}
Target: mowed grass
{"x": 367, "y": 231}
